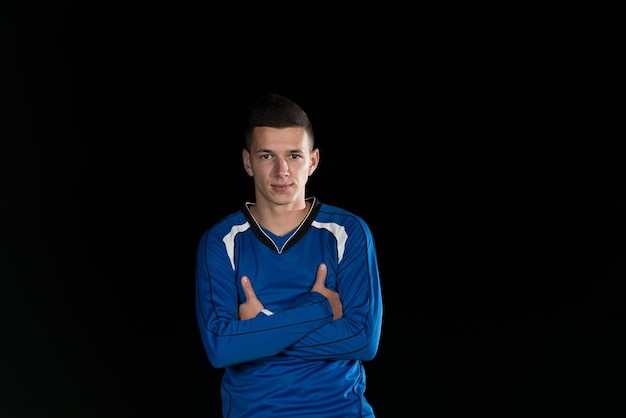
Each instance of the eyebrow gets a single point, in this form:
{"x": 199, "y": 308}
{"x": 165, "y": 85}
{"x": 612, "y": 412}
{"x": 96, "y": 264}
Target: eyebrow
{"x": 269, "y": 151}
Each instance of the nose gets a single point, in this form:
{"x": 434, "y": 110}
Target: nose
{"x": 282, "y": 168}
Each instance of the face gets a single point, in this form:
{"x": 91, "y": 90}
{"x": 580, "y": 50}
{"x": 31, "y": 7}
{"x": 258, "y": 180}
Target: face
{"x": 280, "y": 162}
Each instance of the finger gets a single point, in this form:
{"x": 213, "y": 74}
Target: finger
{"x": 320, "y": 278}
{"x": 247, "y": 288}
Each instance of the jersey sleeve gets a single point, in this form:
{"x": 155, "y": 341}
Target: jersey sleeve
{"x": 228, "y": 340}
{"x": 356, "y": 335}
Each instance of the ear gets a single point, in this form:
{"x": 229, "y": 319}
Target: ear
{"x": 315, "y": 160}
{"x": 245, "y": 156}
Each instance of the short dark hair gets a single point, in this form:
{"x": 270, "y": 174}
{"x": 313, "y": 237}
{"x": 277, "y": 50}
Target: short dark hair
{"x": 277, "y": 111}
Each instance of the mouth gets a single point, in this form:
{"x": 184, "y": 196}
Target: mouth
{"x": 280, "y": 187}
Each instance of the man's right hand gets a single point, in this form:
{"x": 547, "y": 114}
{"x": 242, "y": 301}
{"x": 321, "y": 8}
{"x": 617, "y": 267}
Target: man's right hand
{"x": 333, "y": 297}
{"x": 252, "y": 306}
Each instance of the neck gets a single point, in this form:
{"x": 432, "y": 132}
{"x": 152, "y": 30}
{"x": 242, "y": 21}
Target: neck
{"x": 280, "y": 219}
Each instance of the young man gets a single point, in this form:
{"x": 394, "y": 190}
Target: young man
{"x": 288, "y": 291}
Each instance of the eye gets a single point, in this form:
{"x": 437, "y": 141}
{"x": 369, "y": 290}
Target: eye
{"x": 265, "y": 156}
{"x": 295, "y": 156}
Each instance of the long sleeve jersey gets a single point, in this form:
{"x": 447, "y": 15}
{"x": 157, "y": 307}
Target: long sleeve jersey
{"x": 293, "y": 360}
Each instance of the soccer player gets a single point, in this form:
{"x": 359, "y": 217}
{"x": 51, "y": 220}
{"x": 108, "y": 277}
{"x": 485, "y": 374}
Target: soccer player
{"x": 288, "y": 292}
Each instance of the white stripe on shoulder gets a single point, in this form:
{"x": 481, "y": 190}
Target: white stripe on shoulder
{"x": 229, "y": 241}
{"x": 340, "y": 235}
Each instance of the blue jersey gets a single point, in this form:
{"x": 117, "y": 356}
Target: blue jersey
{"x": 294, "y": 360}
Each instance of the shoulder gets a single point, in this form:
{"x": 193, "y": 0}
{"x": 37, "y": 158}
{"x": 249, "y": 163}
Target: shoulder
{"x": 341, "y": 216}
{"x": 225, "y": 225}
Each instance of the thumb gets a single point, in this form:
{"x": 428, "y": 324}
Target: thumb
{"x": 247, "y": 288}
{"x": 320, "y": 278}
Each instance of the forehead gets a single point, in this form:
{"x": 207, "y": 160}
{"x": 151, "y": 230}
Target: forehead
{"x": 293, "y": 138}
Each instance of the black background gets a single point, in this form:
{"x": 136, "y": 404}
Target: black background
{"x": 479, "y": 145}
